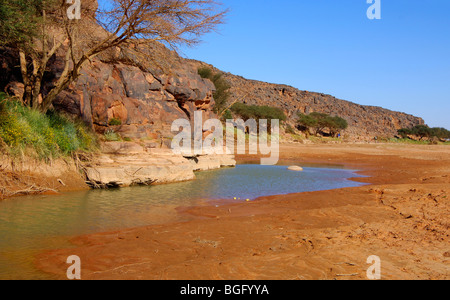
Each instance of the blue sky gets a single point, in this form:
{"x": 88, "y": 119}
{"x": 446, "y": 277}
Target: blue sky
{"x": 400, "y": 62}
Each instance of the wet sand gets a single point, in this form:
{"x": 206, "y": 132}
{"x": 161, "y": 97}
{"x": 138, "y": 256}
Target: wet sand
{"x": 401, "y": 217}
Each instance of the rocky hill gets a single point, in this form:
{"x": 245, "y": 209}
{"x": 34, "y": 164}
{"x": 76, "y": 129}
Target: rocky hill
{"x": 133, "y": 95}
{"x": 365, "y": 122}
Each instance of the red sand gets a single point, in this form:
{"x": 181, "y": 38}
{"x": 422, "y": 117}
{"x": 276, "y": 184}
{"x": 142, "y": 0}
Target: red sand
{"x": 402, "y": 217}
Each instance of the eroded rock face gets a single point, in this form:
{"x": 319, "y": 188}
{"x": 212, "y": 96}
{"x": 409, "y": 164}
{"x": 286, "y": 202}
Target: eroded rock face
{"x": 129, "y": 164}
{"x": 141, "y": 104}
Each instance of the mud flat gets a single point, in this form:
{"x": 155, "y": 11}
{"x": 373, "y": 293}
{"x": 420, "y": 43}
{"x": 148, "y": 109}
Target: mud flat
{"x": 401, "y": 217}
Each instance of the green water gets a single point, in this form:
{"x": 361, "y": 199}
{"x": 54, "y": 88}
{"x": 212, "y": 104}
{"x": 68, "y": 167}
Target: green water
{"x": 29, "y": 225}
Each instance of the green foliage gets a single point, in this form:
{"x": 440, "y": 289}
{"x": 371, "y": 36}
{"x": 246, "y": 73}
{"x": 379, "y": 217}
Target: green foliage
{"x": 257, "y": 112}
{"x": 339, "y": 123}
{"x": 227, "y": 115}
{"x": 440, "y": 133}
{"x": 205, "y": 72}
{"x": 320, "y": 121}
{"x": 307, "y": 121}
{"x": 112, "y": 136}
{"x": 20, "y": 19}
{"x": 114, "y": 122}
{"x": 423, "y": 131}
{"x": 221, "y": 95}
{"x": 404, "y": 132}
{"x": 48, "y": 135}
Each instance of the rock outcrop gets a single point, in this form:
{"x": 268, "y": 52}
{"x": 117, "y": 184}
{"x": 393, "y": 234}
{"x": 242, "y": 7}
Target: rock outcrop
{"x": 295, "y": 168}
{"x": 129, "y": 164}
{"x": 143, "y": 104}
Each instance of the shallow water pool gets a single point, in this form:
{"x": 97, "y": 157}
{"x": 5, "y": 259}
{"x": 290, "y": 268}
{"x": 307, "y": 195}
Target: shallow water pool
{"x": 31, "y": 224}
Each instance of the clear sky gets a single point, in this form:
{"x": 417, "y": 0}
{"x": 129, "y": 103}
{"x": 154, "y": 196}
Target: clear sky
{"x": 401, "y": 62}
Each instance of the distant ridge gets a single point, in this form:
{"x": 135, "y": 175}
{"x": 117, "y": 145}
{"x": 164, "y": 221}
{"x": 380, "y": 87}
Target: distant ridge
{"x": 365, "y": 122}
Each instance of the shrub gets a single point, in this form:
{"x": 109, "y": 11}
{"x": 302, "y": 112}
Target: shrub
{"x": 423, "y": 131}
{"x": 112, "y": 136}
{"x": 227, "y": 115}
{"x": 47, "y": 135}
{"x": 256, "y": 112}
{"x": 205, "y": 72}
{"x": 114, "y": 122}
{"x": 221, "y": 94}
{"x": 440, "y": 133}
{"x": 320, "y": 121}
{"x": 306, "y": 122}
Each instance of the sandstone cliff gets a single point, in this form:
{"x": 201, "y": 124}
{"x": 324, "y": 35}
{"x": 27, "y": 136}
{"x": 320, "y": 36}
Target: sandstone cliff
{"x": 145, "y": 102}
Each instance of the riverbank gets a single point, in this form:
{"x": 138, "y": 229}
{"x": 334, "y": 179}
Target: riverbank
{"x": 22, "y": 176}
{"x": 115, "y": 164}
{"x": 402, "y": 217}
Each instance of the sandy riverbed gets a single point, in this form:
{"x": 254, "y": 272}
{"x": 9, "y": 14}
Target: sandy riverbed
{"x": 402, "y": 217}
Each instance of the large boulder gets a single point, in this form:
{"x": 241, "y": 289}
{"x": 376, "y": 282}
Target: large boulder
{"x": 127, "y": 164}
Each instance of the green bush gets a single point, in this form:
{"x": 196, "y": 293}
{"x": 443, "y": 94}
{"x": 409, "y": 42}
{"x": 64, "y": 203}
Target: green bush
{"x": 227, "y": 115}
{"x": 47, "y": 135}
{"x": 256, "y": 112}
{"x": 205, "y": 72}
{"x": 423, "y": 131}
{"x": 221, "y": 94}
{"x": 112, "y": 136}
{"x": 320, "y": 121}
{"x": 114, "y": 122}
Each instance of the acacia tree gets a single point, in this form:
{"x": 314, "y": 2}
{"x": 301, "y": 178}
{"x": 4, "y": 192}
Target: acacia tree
{"x": 305, "y": 122}
{"x": 319, "y": 121}
{"x": 423, "y": 131}
{"x": 336, "y": 124}
{"x": 123, "y": 23}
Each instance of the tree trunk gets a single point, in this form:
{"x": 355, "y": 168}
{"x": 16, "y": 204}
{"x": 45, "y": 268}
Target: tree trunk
{"x": 36, "y": 92}
{"x": 26, "y": 80}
